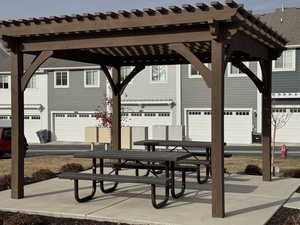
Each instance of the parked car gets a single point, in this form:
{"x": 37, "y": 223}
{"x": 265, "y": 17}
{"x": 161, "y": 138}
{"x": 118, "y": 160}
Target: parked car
{"x": 5, "y": 141}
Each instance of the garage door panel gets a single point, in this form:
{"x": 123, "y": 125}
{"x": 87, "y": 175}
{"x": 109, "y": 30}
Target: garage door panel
{"x": 237, "y": 126}
{"x": 71, "y": 126}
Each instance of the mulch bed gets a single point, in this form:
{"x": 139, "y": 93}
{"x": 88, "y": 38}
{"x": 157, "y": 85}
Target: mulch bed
{"x": 7, "y": 218}
{"x": 285, "y": 216}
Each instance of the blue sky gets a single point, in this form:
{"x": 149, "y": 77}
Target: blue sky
{"x": 12, "y": 9}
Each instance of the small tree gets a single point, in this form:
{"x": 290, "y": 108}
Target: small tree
{"x": 280, "y": 117}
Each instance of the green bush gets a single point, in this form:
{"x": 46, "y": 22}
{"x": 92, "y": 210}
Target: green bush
{"x": 22, "y": 219}
{"x": 71, "y": 167}
{"x": 253, "y": 170}
{"x": 43, "y": 174}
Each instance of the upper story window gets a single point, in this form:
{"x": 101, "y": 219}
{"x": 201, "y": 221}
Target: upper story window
{"x": 159, "y": 74}
{"x": 91, "y": 78}
{"x": 33, "y": 82}
{"x": 61, "y": 79}
{"x": 125, "y": 71}
{"x": 4, "y": 79}
{"x": 194, "y": 73}
{"x": 286, "y": 62}
{"x": 235, "y": 72}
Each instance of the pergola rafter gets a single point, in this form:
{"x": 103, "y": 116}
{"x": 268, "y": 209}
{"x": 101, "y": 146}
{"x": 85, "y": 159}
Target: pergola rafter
{"x": 190, "y": 34}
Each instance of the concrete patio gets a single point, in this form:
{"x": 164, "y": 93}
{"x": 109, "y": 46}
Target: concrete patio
{"x": 247, "y": 198}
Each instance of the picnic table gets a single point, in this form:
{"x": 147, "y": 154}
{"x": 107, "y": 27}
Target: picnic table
{"x": 168, "y": 160}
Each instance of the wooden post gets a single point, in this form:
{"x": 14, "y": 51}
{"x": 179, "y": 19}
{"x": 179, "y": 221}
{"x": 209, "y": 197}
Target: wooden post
{"x": 266, "y": 67}
{"x": 217, "y": 135}
{"x": 116, "y": 111}
{"x": 17, "y": 102}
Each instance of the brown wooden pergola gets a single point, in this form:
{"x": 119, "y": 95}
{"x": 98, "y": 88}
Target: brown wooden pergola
{"x": 193, "y": 34}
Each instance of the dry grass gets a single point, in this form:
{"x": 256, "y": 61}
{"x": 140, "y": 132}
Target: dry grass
{"x": 53, "y": 163}
{"x": 235, "y": 164}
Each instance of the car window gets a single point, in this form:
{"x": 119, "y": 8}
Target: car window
{"x": 7, "y": 134}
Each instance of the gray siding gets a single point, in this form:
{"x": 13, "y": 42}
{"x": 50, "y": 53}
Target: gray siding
{"x": 76, "y": 97}
{"x": 141, "y": 88}
{"x": 240, "y": 92}
{"x": 287, "y": 81}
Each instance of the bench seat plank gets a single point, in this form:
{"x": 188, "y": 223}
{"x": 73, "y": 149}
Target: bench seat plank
{"x": 113, "y": 178}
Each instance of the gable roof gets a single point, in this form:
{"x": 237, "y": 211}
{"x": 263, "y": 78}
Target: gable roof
{"x": 50, "y": 63}
{"x": 286, "y": 22}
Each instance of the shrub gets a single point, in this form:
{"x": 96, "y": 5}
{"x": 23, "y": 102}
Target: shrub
{"x": 22, "y": 219}
{"x": 253, "y": 170}
{"x": 43, "y": 174}
{"x": 295, "y": 173}
{"x": 71, "y": 167}
{"x": 5, "y": 182}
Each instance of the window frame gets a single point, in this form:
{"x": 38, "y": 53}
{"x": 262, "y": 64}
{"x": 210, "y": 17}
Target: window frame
{"x": 68, "y": 79}
{"x": 34, "y": 77}
{"x": 229, "y": 74}
{"x": 8, "y": 82}
{"x": 208, "y": 65}
{"x": 91, "y": 86}
{"x": 293, "y": 68}
{"x": 159, "y": 81}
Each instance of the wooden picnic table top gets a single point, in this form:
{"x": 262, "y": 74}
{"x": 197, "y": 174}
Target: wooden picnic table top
{"x": 175, "y": 143}
{"x": 157, "y": 156}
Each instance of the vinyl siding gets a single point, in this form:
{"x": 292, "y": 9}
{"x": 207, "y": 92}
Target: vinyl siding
{"x": 287, "y": 81}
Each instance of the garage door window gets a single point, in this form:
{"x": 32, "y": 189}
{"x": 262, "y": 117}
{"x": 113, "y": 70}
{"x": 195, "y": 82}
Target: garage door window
{"x": 61, "y": 79}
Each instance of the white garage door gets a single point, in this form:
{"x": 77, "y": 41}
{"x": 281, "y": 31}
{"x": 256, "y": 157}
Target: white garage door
{"x": 290, "y": 132}
{"x": 237, "y": 126}
{"x": 32, "y": 124}
{"x": 147, "y": 119}
{"x": 71, "y": 126}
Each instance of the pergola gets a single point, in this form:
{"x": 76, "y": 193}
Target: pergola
{"x": 193, "y": 34}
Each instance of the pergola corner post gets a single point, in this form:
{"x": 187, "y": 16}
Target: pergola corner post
{"x": 116, "y": 110}
{"x": 17, "y": 140}
{"x": 217, "y": 135}
{"x": 266, "y": 67}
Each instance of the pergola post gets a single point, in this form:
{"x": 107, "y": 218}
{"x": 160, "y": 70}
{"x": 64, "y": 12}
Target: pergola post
{"x": 17, "y": 106}
{"x": 116, "y": 110}
{"x": 217, "y": 135}
{"x": 266, "y": 67}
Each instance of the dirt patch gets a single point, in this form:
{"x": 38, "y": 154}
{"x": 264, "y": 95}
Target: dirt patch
{"x": 285, "y": 216}
{"x": 7, "y": 218}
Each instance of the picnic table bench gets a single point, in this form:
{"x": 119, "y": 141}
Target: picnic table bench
{"x": 169, "y": 160}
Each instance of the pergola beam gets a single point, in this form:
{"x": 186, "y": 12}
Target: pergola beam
{"x": 194, "y": 60}
{"x": 134, "y": 39}
{"x": 241, "y": 66}
{"x": 34, "y": 66}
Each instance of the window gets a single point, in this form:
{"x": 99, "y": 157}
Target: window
{"x": 61, "y": 79}
{"x": 91, "y": 78}
{"x": 286, "y": 62}
{"x": 3, "y": 81}
{"x": 235, "y": 72}
{"x": 159, "y": 74}
{"x": 125, "y": 71}
{"x": 194, "y": 73}
{"x": 33, "y": 82}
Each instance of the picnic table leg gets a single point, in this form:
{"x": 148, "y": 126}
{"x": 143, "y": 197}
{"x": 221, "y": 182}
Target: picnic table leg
{"x": 174, "y": 195}
{"x": 167, "y": 187}
{"x": 199, "y": 174}
{"x": 76, "y": 188}
{"x": 149, "y": 170}
{"x": 113, "y": 188}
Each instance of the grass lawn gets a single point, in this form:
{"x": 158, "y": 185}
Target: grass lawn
{"x": 235, "y": 164}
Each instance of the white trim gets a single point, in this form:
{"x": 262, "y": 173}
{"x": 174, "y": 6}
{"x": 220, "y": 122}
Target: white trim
{"x": 259, "y": 102}
{"x": 285, "y": 106}
{"x": 286, "y": 95}
{"x": 159, "y": 81}
{"x": 229, "y": 74}
{"x": 91, "y": 86}
{"x": 178, "y": 95}
{"x": 26, "y": 106}
{"x": 286, "y": 69}
{"x": 292, "y": 46}
{"x": 190, "y": 73}
{"x": 147, "y": 102}
{"x": 68, "y": 79}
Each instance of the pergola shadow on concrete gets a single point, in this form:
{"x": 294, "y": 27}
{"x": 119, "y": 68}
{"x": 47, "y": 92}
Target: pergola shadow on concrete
{"x": 198, "y": 34}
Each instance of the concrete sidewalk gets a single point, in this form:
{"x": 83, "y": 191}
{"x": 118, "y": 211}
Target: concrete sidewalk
{"x": 248, "y": 199}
